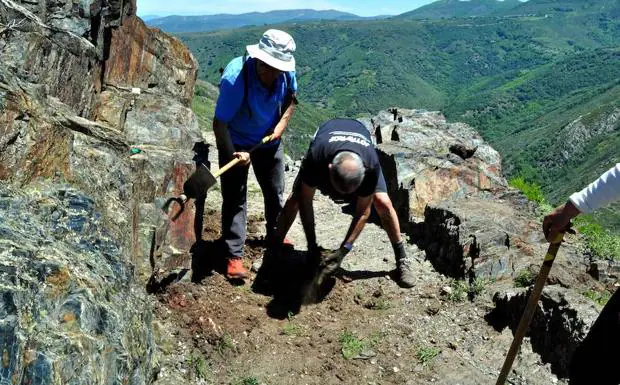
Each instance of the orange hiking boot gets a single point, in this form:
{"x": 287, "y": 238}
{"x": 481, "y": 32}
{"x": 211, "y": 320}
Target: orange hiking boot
{"x": 235, "y": 269}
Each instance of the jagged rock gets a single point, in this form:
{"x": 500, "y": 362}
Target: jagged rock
{"x": 70, "y": 309}
{"x": 561, "y": 321}
{"x": 161, "y": 122}
{"x": 448, "y": 190}
{"x": 606, "y": 271}
{"x": 70, "y": 110}
{"x": 418, "y": 168}
{"x": 150, "y": 60}
{"x": 462, "y": 150}
{"x": 474, "y": 237}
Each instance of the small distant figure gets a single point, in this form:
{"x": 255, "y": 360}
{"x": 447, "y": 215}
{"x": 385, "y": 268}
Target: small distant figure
{"x": 395, "y": 137}
{"x": 400, "y": 119}
{"x": 394, "y": 112}
{"x": 378, "y": 134}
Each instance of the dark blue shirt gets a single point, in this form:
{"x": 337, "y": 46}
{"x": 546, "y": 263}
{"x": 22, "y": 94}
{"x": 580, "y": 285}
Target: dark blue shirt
{"x": 332, "y": 137}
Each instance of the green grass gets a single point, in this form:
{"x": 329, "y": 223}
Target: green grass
{"x": 198, "y": 366}
{"x": 427, "y": 354}
{"x": 525, "y": 278}
{"x": 246, "y": 381}
{"x": 602, "y": 242}
{"x": 461, "y": 290}
{"x": 352, "y": 346}
{"x": 225, "y": 344}
{"x": 203, "y": 104}
{"x": 291, "y": 328}
{"x": 532, "y": 191}
{"x": 477, "y": 287}
{"x": 599, "y": 298}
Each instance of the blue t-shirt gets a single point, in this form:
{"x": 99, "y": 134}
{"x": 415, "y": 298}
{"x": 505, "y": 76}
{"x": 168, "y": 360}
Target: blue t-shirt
{"x": 266, "y": 104}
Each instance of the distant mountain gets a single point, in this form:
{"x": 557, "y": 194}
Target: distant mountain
{"x": 444, "y": 9}
{"x": 176, "y": 24}
{"x": 541, "y": 82}
{"x": 149, "y": 17}
{"x": 608, "y": 8}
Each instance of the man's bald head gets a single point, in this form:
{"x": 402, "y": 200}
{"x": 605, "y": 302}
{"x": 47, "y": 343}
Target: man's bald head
{"x": 346, "y": 172}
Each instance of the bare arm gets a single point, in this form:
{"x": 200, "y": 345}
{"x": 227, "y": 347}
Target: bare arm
{"x": 286, "y": 117}
{"x": 306, "y": 213}
{"x": 362, "y": 212}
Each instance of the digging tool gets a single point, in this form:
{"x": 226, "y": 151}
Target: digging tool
{"x": 326, "y": 266}
{"x": 202, "y": 180}
{"x": 530, "y": 308}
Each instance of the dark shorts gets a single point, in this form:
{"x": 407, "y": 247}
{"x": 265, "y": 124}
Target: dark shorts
{"x": 327, "y": 189}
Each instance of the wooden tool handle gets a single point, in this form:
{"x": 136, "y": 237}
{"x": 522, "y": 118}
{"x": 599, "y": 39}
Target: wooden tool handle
{"x": 233, "y": 162}
{"x": 530, "y": 308}
{"x": 226, "y": 167}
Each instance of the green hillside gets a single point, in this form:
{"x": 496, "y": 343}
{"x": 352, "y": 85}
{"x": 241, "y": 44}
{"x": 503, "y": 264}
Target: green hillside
{"x": 520, "y": 80}
{"x": 458, "y": 8}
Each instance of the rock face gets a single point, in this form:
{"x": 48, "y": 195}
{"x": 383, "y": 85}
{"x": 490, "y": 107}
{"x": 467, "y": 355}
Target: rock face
{"x": 70, "y": 312}
{"x": 560, "y": 323}
{"x": 82, "y": 83}
{"x": 450, "y": 195}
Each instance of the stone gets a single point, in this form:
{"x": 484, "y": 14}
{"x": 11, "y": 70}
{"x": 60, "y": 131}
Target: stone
{"x": 561, "y": 321}
{"x": 418, "y": 169}
{"x": 471, "y": 238}
{"x": 74, "y": 289}
{"x": 82, "y": 82}
{"x": 153, "y": 61}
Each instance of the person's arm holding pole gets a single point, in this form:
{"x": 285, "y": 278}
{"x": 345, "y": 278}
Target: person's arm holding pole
{"x": 599, "y": 193}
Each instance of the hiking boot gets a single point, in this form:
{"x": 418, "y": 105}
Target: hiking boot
{"x": 404, "y": 273}
{"x": 235, "y": 269}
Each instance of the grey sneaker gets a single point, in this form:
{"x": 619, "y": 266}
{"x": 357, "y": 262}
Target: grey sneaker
{"x": 404, "y": 273}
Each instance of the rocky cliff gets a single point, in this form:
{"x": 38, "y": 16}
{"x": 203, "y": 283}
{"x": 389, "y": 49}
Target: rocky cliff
{"x": 82, "y": 84}
{"x": 95, "y": 133}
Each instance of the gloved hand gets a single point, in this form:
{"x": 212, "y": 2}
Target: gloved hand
{"x": 332, "y": 261}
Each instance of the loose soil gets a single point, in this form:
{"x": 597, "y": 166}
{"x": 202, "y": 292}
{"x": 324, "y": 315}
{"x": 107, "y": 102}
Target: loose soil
{"x": 367, "y": 330}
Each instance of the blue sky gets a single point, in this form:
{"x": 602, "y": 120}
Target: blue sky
{"x": 206, "y": 7}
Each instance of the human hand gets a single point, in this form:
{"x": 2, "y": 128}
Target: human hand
{"x": 558, "y": 220}
{"x": 244, "y": 157}
{"x": 332, "y": 261}
{"x": 277, "y": 132}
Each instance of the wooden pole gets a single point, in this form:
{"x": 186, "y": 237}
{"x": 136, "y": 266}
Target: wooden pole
{"x": 530, "y": 308}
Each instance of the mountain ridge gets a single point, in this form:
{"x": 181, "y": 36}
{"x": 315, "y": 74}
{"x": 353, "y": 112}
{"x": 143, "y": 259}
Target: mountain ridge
{"x": 459, "y": 8}
{"x": 205, "y": 23}
{"x": 499, "y": 74}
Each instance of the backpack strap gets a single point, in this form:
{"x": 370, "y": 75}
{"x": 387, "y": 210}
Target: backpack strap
{"x": 246, "y": 82}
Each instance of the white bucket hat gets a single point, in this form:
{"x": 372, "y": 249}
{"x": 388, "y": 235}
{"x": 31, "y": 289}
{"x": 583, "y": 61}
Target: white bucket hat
{"x": 276, "y": 49}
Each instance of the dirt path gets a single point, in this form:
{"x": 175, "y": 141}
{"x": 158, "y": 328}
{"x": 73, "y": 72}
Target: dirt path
{"x": 366, "y": 331}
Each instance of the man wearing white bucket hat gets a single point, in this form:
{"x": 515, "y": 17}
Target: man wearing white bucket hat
{"x": 255, "y": 101}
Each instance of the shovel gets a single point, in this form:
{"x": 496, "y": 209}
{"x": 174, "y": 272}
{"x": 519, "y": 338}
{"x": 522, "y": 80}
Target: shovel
{"x": 530, "y": 308}
{"x": 201, "y": 181}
